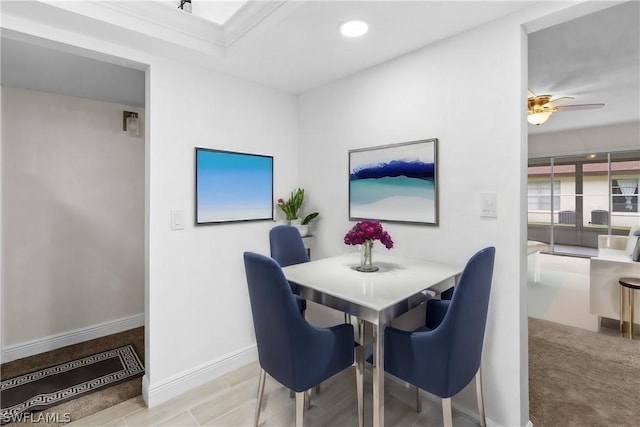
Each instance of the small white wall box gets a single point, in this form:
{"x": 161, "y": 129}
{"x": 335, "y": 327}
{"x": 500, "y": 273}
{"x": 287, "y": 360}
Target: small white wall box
{"x": 488, "y": 205}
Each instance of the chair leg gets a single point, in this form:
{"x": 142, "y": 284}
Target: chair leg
{"x": 483, "y": 418}
{"x": 291, "y": 393}
{"x": 447, "y": 415}
{"x": 360, "y": 383}
{"x": 418, "y": 400}
{"x": 300, "y": 399}
{"x": 307, "y": 398}
{"x": 263, "y": 375}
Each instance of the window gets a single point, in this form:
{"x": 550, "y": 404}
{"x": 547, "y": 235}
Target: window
{"x": 593, "y": 194}
{"x": 625, "y": 194}
{"x": 539, "y": 195}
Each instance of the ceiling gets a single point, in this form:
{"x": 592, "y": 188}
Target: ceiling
{"x": 304, "y": 49}
{"x": 36, "y": 67}
{"x": 595, "y": 59}
{"x": 295, "y": 45}
{"x": 290, "y": 45}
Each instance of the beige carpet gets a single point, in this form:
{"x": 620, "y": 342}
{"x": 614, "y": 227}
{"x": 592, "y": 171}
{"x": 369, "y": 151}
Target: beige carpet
{"x": 91, "y": 403}
{"x": 581, "y": 378}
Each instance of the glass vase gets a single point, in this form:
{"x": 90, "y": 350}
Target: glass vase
{"x": 366, "y": 258}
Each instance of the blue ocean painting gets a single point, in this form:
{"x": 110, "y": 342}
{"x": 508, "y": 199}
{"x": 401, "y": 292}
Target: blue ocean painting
{"x": 402, "y": 190}
{"x": 233, "y": 186}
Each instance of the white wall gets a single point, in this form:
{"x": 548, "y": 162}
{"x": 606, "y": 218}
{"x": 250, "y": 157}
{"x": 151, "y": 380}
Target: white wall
{"x": 198, "y": 302}
{"x": 73, "y": 211}
{"x": 198, "y": 321}
{"x": 600, "y": 139}
{"x": 431, "y": 93}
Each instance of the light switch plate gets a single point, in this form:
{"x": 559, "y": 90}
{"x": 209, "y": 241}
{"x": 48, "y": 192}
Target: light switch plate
{"x": 489, "y": 205}
{"x": 177, "y": 220}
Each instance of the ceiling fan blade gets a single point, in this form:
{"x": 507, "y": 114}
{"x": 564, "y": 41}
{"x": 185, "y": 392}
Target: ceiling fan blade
{"x": 530, "y": 93}
{"x": 579, "y": 107}
{"x": 560, "y": 101}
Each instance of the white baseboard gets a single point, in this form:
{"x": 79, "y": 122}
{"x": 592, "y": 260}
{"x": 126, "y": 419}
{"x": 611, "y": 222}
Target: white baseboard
{"x": 145, "y": 388}
{"x": 155, "y": 394}
{"x": 53, "y": 342}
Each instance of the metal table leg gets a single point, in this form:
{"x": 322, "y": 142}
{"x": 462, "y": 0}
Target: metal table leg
{"x": 378, "y": 375}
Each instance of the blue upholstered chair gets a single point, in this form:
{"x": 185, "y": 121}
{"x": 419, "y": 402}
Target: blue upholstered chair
{"x": 443, "y": 356}
{"x": 287, "y": 249}
{"x": 295, "y": 353}
{"x": 446, "y": 295}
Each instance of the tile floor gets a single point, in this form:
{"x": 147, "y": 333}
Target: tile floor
{"x": 230, "y": 401}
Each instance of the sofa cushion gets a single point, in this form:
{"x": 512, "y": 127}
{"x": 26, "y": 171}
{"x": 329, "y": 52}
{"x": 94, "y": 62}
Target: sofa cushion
{"x": 632, "y": 240}
{"x": 635, "y": 256}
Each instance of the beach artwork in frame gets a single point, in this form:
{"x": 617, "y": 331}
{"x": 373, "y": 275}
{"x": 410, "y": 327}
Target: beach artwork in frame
{"x": 396, "y": 182}
{"x": 233, "y": 186}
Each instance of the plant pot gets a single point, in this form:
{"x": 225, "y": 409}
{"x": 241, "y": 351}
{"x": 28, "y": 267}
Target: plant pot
{"x": 302, "y": 229}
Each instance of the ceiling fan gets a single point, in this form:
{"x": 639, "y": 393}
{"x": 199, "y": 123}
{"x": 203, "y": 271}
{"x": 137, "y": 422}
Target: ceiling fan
{"x": 540, "y": 107}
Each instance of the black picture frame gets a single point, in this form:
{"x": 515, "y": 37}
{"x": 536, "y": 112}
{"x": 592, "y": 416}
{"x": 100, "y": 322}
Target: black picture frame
{"x": 232, "y": 186}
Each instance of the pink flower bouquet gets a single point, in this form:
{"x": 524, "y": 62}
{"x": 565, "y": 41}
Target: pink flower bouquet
{"x": 368, "y": 230}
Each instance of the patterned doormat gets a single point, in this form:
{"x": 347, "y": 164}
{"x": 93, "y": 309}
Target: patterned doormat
{"x": 51, "y": 386}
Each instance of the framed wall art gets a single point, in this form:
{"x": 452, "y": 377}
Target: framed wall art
{"x": 396, "y": 182}
{"x": 233, "y": 186}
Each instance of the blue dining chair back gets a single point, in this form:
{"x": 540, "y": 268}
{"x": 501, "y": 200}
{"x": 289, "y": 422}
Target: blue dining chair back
{"x": 466, "y": 320}
{"x": 292, "y": 351}
{"x": 287, "y": 247}
{"x": 443, "y": 356}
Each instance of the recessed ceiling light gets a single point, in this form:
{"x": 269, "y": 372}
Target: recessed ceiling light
{"x": 354, "y": 28}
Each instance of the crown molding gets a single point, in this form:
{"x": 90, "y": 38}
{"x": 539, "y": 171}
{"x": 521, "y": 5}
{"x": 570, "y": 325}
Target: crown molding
{"x": 153, "y": 19}
{"x": 160, "y": 20}
{"x": 167, "y": 18}
{"x": 150, "y": 19}
{"x": 248, "y": 17}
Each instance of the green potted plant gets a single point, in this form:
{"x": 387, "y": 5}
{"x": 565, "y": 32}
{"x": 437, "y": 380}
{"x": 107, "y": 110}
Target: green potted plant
{"x": 291, "y": 210}
{"x": 291, "y": 207}
{"x": 307, "y": 219}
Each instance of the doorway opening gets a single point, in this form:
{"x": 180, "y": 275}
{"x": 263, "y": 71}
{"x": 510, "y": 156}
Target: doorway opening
{"x": 74, "y": 207}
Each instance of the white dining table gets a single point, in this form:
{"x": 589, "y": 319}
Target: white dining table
{"x": 375, "y": 297}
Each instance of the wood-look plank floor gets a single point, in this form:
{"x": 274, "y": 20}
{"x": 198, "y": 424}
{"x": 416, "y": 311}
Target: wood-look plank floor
{"x": 229, "y": 401}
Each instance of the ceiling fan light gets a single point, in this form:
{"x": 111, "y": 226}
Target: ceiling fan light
{"x": 538, "y": 118}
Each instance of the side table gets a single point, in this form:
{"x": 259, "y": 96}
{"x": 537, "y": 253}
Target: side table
{"x": 629, "y": 284}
